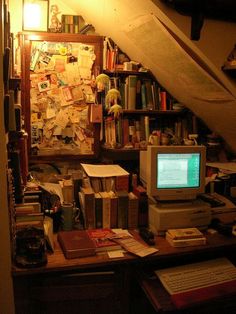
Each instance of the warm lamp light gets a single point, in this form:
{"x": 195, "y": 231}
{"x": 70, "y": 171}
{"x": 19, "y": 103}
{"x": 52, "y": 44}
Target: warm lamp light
{"x": 35, "y": 15}
{"x": 32, "y": 15}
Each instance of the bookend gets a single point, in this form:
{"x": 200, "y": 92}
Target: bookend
{"x": 30, "y": 247}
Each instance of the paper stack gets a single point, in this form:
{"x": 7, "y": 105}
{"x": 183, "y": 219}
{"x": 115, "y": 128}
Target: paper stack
{"x": 185, "y": 237}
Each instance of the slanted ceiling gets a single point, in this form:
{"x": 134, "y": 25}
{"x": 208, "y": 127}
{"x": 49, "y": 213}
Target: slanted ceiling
{"x": 144, "y": 31}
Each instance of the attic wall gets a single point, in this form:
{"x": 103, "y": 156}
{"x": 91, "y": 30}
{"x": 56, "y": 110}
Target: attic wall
{"x": 202, "y": 94}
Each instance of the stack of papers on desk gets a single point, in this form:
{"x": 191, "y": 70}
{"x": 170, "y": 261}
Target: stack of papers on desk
{"x": 198, "y": 282}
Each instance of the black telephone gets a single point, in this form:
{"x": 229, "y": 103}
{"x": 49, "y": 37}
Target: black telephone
{"x": 30, "y": 249}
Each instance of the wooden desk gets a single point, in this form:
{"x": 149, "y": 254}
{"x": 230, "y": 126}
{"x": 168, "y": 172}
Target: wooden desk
{"x": 98, "y": 284}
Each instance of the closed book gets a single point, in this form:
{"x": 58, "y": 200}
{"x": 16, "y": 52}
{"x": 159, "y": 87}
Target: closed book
{"x": 141, "y": 193}
{"x": 122, "y": 210}
{"x": 122, "y": 183}
{"x": 87, "y": 201}
{"x": 133, "y": 211}
{"x": 101, "y": 239}
{"x": 31, "y": 207}
{"x": 29, "y": 217}
{"x": 106, "y": 211}
{"x": 149, "y": 95}
{"x": 125, "y": 133}
{"x": 163, "y": 101}
{"x": 76, "y": 243}
{"x": 113, "y": 209}
{"x": 132, "y": 90}
{"x": 185, "y": 242}
{"x": 98, "y": 210}
{"x": 143, "y": 96}
{"x": 185, "y": 233}
{"x": 138, "y": 95}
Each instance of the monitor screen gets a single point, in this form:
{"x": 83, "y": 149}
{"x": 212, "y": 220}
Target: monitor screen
{"x": 178, "y": 170}
{"x": 173, "y": 172}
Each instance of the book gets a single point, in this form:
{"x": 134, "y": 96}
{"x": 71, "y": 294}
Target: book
{"x": 132, "y": 89}
{"x": 96, "y": 184}
{"x": 122, "y": 183}
{"x": 87, "y": 203}
{"x": 122, "y": 209}
{"x": 76, "y": 243}
{"x": 185, "y": 242}
{"x": 98, "y": 210}
{"x": 101, "y": 239}
{"x": 163, "y": 100}
{"x": 106, "y": 209}
{"x": 141, "y": 193}
{"x": 132, "y": 211}
{"x": 113, "y": 209}
{"x": 149, "y": 95}
{"x": 32, "y": 207}
{"x": 184, "y": 233}
{"x": 26, "y": 220}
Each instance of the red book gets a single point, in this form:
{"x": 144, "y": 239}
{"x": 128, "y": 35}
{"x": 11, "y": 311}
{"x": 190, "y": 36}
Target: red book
{"x": 76, "y": 243}
{"x": 100, "y": 238}
{"x": 163, "y": 101}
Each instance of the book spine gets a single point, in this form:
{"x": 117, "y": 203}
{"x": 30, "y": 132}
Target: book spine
{"x": 106, "y": 203}
{"x": 122, "y": 183}
{"x": 122, "y": 211}
{"x": 143, "y": 96}
{"x": 132, "y": 88}
{"x": 89, "y": 210}
{"x": 133, "y": 212}
{"x": 163, "y": 101}
{"x": 113, "y": 212}
{"x": 98, "y": 211}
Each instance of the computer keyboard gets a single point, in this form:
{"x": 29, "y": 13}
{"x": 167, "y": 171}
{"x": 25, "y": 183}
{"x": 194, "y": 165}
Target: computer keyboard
{"x": 212, "y": 200}
{"x": 198, "y": 275}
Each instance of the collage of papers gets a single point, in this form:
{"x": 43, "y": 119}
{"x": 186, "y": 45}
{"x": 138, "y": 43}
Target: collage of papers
{"x": 60, "y": 95}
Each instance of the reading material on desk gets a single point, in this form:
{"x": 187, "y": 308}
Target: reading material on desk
{"x": 185, "y": 237}
{"x": 102, "y": 171}
{"x": 76, "y": 243}
{"x": 194, "y": 283}
{"x": 135, "y": 247}
{"x": 101, "y": 239}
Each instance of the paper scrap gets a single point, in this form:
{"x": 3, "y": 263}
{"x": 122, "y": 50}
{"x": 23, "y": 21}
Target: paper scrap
{"x": 102, "y": 171}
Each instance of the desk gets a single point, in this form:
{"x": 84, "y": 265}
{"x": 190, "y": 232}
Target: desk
{"x": 98, "y": 284}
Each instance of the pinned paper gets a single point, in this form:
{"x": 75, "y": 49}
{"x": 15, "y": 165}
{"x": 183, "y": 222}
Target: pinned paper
{"x": 95, "y": 113}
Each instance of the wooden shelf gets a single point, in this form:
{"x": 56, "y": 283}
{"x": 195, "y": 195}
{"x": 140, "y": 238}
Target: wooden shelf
{"x": 153, "y": 112}
{"x": 123, "y": 72}
{"x": 121, "y": 153}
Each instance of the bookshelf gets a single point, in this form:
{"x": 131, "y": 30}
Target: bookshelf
{"x": 149, "y": 112}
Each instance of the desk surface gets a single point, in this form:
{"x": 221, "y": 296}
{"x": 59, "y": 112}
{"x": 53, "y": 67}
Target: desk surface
{"x": 216, "y": 244}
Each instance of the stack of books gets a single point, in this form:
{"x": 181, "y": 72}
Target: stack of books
{"x": 185, "y": 237}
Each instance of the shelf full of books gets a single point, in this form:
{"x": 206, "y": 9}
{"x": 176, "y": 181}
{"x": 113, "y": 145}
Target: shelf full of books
{"x": 134, "y": 130}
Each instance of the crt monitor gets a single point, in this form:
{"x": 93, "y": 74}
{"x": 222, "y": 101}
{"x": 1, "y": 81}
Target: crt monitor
{"x": 172, "y": 173}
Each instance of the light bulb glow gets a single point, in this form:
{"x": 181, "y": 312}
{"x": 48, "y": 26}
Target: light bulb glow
{"x": 32, "y": 15}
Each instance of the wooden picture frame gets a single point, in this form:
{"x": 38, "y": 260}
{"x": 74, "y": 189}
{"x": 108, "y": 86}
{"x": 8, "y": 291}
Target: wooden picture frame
{"x": 35, "y": 22}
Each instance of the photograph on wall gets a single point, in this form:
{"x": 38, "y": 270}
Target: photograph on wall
{"x": 54, "y": 21}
